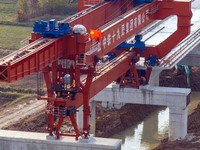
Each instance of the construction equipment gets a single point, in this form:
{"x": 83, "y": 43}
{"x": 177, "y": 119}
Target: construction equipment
{"x": 115, "y": 21}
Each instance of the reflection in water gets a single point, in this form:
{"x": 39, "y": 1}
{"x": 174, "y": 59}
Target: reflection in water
{"x": 131, "y": 142}
{"x": 163, "y": 122}
{"x": 148, "y": 134}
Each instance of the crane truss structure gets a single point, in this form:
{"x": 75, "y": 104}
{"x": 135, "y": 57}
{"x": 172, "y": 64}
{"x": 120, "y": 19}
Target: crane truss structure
{"x": 117, "y": 21}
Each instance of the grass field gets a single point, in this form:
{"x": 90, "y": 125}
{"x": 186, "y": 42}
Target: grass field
{"x": 11, "y": 31}
{"x": 11, "y": 36}
{"x": 8, "y": 1}
{"x": 8, "y": 12}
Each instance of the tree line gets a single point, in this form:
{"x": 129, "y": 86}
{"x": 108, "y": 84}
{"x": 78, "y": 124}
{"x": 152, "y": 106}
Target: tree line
{"x": 28, "y": 9}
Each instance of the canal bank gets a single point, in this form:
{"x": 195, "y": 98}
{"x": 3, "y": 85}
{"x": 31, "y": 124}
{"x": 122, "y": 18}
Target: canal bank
{"x": 148, "y": 134}
{"x": 192, "y": 141}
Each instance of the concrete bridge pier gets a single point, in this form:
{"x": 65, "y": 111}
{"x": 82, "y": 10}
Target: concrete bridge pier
{"x": 177, "y": 122}
{"x": 177, "y": 99}
{"x": 154, "y": 77}
{"x": 92, "y": 117}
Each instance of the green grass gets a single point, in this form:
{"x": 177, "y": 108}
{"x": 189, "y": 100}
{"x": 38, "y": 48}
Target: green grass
{"x": 26, "y": 85}
{"x": 15, "y": 98}
{"x": 9, "y": 95}
{"x": 8, "y": 12}
{"x": 11, "y": 31}
{"x": 8, "y": 15}
{"x": 8, "y": 1}
{"x": 11, "y": 36}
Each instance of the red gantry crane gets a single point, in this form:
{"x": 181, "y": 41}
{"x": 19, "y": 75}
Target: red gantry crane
{"x": 96, "y": 30}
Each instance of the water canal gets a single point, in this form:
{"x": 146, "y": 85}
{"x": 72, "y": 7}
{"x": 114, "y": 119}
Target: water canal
{"x": 148, "y": 134}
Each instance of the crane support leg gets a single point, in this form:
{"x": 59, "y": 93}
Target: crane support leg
{"x": 50, "y": 103}
{"x": 86, "y": 107}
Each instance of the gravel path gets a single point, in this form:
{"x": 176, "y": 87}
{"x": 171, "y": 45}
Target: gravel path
{"x": 12, "y": 114}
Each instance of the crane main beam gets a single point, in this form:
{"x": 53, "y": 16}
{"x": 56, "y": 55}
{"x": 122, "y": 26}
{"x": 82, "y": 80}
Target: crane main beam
{"x": 44, "y": 51}
{"x": 30, "y": 59}
{"x": 24, "y": 61}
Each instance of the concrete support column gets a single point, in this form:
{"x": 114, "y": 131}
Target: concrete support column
{"x": 177, "y": 122}
{"x": 154, "y": 77}
{"x": 79, "y": 118}
{"x": 92, "y": 117}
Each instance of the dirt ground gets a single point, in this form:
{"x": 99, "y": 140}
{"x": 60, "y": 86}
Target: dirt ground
{"x": 172, "y": 78}
{"x": 109, "y": 122}
{"x": 192, "y": 141}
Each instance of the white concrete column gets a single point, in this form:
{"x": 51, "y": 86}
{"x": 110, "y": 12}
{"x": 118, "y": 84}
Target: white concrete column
{"x": 154, "y": 77}
{"x": 93, "y": 117}
{"x": 114, "y": 103}
{"x": 79, "y": 118}
{"x": 177, "y": 122}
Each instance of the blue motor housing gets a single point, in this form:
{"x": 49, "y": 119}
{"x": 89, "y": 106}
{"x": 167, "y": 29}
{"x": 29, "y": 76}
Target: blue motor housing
{"x": 152, "y": 60}
{"x": 49, "y": 29}
{"x": 138, "y": 44}
{"x": 142, "y": 1}
{"x": 112, "y": 0}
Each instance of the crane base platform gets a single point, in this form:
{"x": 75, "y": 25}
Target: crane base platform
{"x": 18, "y": 140}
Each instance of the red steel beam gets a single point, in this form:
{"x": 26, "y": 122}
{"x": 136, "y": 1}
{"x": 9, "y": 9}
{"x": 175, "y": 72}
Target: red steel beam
{"x": 125, "y": 26}
{"x": 98, "y": 16}
{"x": 182, "y": 9}
{"x": 36, "y": 58}
{"x": 113, "y": 34}
{"x": 52, "y": 51}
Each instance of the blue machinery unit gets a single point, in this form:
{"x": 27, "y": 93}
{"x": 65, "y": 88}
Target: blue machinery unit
{"x": 50, "y": 30}
{"x": 138, "y": 44}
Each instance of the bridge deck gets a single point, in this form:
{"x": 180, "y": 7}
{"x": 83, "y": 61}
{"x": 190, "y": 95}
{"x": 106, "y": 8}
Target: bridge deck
{"x": 160, "y": 30}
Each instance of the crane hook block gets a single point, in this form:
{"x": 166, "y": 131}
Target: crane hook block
{"x": 49, "y": 29}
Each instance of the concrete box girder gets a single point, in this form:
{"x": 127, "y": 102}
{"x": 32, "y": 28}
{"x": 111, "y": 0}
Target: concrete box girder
{"x": 18, "y": 140}
{"x": 151, "y": 95}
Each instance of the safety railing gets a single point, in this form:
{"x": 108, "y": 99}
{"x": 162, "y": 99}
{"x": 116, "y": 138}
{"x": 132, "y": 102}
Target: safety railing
{"x": 181, "y": 50}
